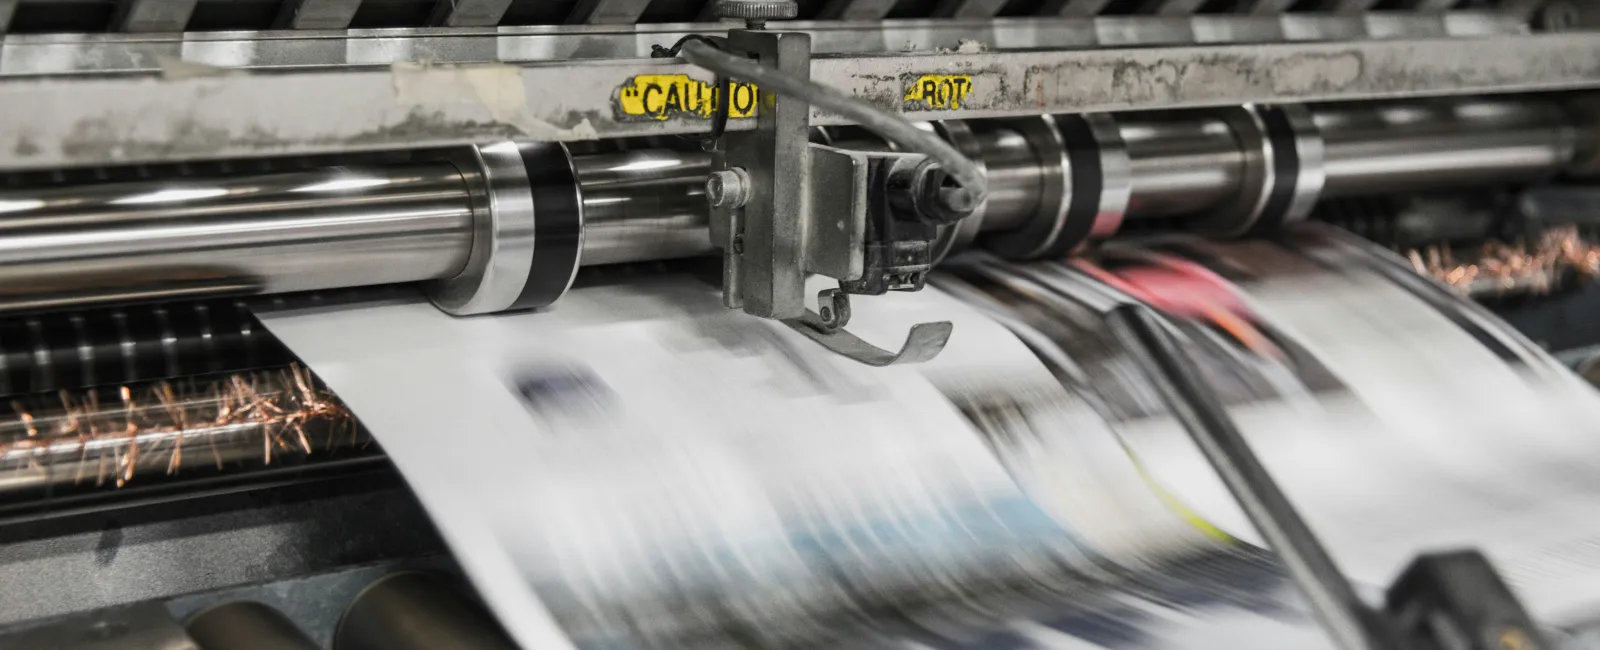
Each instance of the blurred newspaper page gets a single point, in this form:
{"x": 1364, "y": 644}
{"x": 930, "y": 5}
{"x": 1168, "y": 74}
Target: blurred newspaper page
{"x": 639, "y": 462}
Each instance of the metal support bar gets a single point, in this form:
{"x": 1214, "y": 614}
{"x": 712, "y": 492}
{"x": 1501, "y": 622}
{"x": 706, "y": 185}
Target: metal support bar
{"x": 763, "y": 254}
{"x": 468, "y": 13}
{"x": 98, "y": 120}
{"x": 34, "y": 55}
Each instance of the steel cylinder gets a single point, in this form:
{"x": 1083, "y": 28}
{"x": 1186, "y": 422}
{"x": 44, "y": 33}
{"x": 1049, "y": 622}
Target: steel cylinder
{"x": 343, "y": 227}
{"x": 1377, "y": 149}
{"x": 643, "y": 205}
{"x": 417, "y": 611}
{"x": 272, "y": 233}
{"x": 1181, "y": 164}
{"x": 1015, "y": 181}
{"x": 246, "y": 625}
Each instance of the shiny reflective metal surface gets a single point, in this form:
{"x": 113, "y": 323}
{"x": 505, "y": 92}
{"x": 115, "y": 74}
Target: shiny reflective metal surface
{"x": 1416, "y": 146}
{"x": 455, "y": 224}
{"x": 1238, "y": 214}
{"x": 266, "y": 234}
{"x": 643, "y": 205}
{"x": 1114, "y": 169}
{"x": 1015, "y": 174}
{"x": 501, "y": 241}
{"x": 1181, "y": 165}
{"x": 246, "y": 625}
{"x": 1038, "y": 230}
{"x": 43, "y": 353}
{"x": 1303, "y": 141}
{"x": 416, "y": 611}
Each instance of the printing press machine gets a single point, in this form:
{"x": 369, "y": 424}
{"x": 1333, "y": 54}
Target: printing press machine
{"x": 1093, "y": 174}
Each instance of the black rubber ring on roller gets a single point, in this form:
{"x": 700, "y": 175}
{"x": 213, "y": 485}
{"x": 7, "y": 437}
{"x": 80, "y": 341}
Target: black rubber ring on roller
{"x": 558, "y": 224}
{"x": 1086, "y": 184}
{"x": 1285, "y": 170}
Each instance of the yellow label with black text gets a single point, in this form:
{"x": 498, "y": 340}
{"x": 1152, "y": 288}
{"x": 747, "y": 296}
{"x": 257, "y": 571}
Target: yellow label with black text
{"x": 939, "y": 92}
{"x": 671, "y": 96}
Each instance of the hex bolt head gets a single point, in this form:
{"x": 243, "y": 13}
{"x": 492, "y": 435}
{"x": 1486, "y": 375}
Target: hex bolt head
{"x": 729, "y": 188}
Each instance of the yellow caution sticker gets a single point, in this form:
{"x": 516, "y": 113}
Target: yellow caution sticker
{"x": 679, "y": 96}
{"x": 937, "y": 92}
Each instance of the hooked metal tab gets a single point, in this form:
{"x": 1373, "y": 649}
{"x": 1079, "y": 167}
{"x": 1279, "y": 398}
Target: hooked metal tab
{"x": 924, "y": 342}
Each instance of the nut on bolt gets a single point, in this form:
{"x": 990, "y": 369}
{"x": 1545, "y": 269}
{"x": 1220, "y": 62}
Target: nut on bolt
{"x": 729, "y": 188}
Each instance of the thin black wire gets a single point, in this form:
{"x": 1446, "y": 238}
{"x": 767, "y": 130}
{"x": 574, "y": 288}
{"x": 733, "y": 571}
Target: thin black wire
{"x": 722, "y": 82}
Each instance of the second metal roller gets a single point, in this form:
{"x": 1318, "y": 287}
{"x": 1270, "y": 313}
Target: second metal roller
{"x": 507, "y": 225}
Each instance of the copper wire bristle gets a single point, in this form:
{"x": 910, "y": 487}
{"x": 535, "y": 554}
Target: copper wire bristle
{"x": 149, "y": 429}
{"x": 1558, "y": 253}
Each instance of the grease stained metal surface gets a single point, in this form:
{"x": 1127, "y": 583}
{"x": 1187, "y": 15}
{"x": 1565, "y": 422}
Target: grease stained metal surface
{"x": 57, "y": 122}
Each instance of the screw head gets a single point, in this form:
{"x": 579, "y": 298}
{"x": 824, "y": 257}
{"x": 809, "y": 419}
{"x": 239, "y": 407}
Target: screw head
{"x": 714, "y": 190}
{"x": 729, "y": 188}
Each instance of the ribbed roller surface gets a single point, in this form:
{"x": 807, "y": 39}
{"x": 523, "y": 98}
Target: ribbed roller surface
{"x": 52, "y": 351}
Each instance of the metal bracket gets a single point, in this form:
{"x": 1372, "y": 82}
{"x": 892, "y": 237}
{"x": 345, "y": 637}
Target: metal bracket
{"x": 924, "y": 342}
{"x": 784, "y": 208}
{"x": 762, "y": 239}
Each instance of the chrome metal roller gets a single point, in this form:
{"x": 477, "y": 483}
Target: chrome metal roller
{"x": 505, "y": 225}
{"x": 527, "y": 231}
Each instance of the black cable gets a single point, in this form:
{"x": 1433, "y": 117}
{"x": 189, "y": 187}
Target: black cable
{"x": 723, "y": 84}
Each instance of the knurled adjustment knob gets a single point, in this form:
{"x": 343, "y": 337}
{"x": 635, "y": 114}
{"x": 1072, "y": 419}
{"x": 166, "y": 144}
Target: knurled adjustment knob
{"x": 756, "y": 10}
